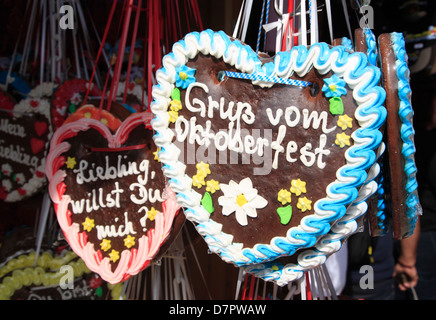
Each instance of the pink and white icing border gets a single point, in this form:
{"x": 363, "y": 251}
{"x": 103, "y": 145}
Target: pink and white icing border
{"x": 131, "y": 261}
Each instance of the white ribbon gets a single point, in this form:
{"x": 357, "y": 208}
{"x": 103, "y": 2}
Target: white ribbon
{"x": 280, "y": 26}
{"x": 243, "y": 19}
{"x": 329, "y": 19}
{"x": 347, "y": 19}
{"x": 313, "y": 12}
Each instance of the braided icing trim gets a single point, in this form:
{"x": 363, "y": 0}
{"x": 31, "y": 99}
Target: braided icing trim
{"x": 370, "y": 114}
{"x": 407, "y": 131}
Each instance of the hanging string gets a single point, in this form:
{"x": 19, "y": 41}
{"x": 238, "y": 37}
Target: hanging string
{"x": 268, "y": 4}
{"x": 132, "y": 48}
{"x": 313, "y": 16}
{"x": 121, "y": 49}
{"x": 329, "y": 19}
{"x": 259, "y": 33}
{"x": 43, "y": 37}
{"x": 150, "y": 48}
{"x": 103, "y": 40}
{"x": 347, "y": 19}
{"x": 308, "y": 291}
{"x": 303, "y": 27}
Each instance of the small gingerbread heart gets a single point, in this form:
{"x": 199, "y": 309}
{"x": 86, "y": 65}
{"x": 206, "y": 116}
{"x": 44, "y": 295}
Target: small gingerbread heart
{"x": 111, "y": 200}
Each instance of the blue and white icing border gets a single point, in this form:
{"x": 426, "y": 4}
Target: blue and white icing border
{"x": 371, "y": 44}
{"x": 407, "y": 131}
{"x": 334, "y": 212}
{"x": 381, "y": 217}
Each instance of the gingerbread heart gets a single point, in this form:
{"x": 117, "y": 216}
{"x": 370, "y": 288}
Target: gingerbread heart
{"x": 401, "y": 170}
{"x": 267, "y": 154}
{"x": 68, "y": 97}
{"x": 25, "y": 135}
{"x": 110, "y": 197}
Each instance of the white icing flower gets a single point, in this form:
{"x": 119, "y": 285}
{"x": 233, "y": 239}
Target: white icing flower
{"x": 6, "y": 169}
{"x": 20, "y": 179}
{"x": 7, "y": 185}
{"x": 76, "y": 98}
{"x": 242, "y": 199}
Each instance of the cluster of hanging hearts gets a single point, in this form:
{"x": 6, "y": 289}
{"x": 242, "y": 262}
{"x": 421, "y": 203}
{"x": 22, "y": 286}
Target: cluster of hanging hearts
{"x": 89, "y": 142}
{"x": 277, "y": 160}
{"x": 328, "y": 116}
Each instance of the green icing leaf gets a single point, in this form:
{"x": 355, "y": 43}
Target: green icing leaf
{"x": 207, "y": 202}
{"x": 285, "y": 214}
{"x": 72, "y": 108}
{"x": 99, "y": 292}
{"x": 175, "y": 95}
{"x": 336, "y": 106}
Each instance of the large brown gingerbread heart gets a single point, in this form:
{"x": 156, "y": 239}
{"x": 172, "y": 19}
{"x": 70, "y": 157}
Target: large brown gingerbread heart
{"x": 110, "y": 197}
{"x": 25, "y": 134}
{"x": 267, "y": 154}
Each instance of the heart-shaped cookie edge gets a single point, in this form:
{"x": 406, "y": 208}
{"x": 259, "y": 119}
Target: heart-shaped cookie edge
{"x": 371, "y": 114}
{"x": 131, "y": 261}
{"x": 38, "y": 181}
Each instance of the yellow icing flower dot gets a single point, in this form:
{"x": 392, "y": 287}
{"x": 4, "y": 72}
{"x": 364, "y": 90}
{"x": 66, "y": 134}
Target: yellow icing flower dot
{"x": 304, "y": 204}
{"x": 275, "y": 268}
{"x": 151, "y": 214}
{"x": 345, "y": 122}
{"x": 176, "y": 105}
{"x": 241, "y": 200}
{"x": 212, "y": 186}
{"x": 71, "y": 162}
{"x": 114, "y": 255}
{"x": 183, "y": 75}
{"x": 298, "y": 187}
{"x": 156, "y": 157}
{"x": 104, "y": 121}
{"x": 203, "y": 168}
{"x": 342, "y": 140}
{"x": 332, "y": 87}
{"x": 129, "y": 241}
{"x": 105, "y": 245}
{"x": 284, "y": 196}
{"x": 173, "y": 116}
{"x": 88, "y": 115}
{"x": 88, "y": 225}
{"x": 198, "y": 181}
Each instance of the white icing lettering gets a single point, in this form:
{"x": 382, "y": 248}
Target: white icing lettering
{"x": 104, "y": 231}
{"x": 277, "y": 147}
{"x": 17, "y": 154}
{"x": 315, "y": 120}
{"x": 274, "y": 121}
{"x": 12, "y": 129}
{"x": 240, "y": 140}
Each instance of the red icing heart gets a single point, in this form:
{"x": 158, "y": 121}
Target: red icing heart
{"x": 41, "y": 127}
{"x": 37, "y": 145}
{"x": 111, "y": 200}
{"x": 34, "y": 103}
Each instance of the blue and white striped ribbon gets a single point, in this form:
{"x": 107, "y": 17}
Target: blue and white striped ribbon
{"x": 259, "y": 34}
{"x": 258, "y": 77}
